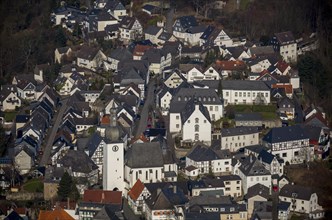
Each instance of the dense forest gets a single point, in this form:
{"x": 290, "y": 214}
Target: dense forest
{"x": 27, "y": 37}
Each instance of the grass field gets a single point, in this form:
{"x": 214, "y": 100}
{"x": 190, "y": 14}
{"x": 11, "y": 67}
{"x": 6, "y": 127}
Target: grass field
{"x": 34, "y": 185}
{"x": 10, "y": 116}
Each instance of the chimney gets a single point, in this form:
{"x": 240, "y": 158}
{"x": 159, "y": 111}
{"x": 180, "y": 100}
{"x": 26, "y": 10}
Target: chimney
{"x": 102, "y": 196}
{"x": 158, "y": 191}
{"x": 174, "y": 189}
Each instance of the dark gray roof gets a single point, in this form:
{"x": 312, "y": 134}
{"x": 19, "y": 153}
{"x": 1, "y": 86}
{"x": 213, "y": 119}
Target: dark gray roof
{"x": 227, "y": 132}
{"x": 127, "y": 22}
{"x": 187, "y": 21}
{"x": 252, "y": 116}
{"x": 93, "y": 142}
{"x": 196, "y": 29}
{"x": 210, "y": 200}
{"x": 285, "y": 37}
{"x": 261, "y": 50}
{"x": 284, "y": 134}
{"x": 236, "y": 51}
{"x": 87, "y": 52}
{"x": 142, "y": 155}
{"x": 202, "y": 215}
{"x": 206, "y": 96}
{"x": 190, "y": 108}
{"x": 300, "y": 192}
{"x": 283, "y": 206}
{"x": 204, "y": 153}
{"x": 251, "y": 166}
{"x": 165, "y": 36}
{"x": 121, "y": 54}
{"x": 256, "y": 148}
{"x": 153, "y": 55}
{"x": 152, "y": 30}
{"x": 166, "y": 198}
{"x": 258, "y": 189}
{"x": 284, "y": 102}
{"x": 78, "y": 161}
{"x": 244, "y": 85}
{"x": 266, "y": 156}
{"x": 152, "y": 187}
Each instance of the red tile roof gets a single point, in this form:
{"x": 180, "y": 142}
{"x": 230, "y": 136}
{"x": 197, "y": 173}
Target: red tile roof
{"x": 231, "y": 65}
{"x": 102, "y": 196}
{"x": 54, "y": 215}
{"x": 140, "y": 49}
{"x": 136, "y": 190}
{"x": 288, "y": 88}
{"x": 282, "y": 66}
{"x": 141, "y": 137}
{"x": 105, "y": 120}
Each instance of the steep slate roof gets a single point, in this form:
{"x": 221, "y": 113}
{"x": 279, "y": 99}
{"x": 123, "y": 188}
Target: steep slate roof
{"x": 284, "y": 134}
{"x": 205, "y": 96}
{"x": 301, "y": 192}
{"x": 152, "y": 30}
{"x": 252, "y": 116}
{"x": 204, "y": 153}
{"x": 127, "y": 22}
{"x": 114, "y": 5}
{"x": 258, "y": 189}
{"x": 190, "y": 108}
{"x": 87, "y": 52}
{"x": 261, "y": 51}
{"x": 266, "y": 156}
{"x": 78, "y": 161}
{"x": 154, "y": 55}
{"x": 93, "y": 142}
{"x": 251, "y": 166}
{"x": 285, "y": 37}
{"x": 102, "y": 196}
{"x": 136, "y": 190}
{"x": 285, "y": 101}
{"x": 244, "y": 85}
{"x": 137, "y": 157}
{"x": 187, "y": 21}
{"x": 152, "y": 187}
{"x": 109, "y": 212}
{"x": 120, "y": 54}
{"x": 166, "y": 198}
{"x": 227, "y": 132}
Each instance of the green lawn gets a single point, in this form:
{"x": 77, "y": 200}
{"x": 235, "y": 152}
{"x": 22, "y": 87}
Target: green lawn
{"x": 10, "y": 116}
{"x": 34, "y": 185}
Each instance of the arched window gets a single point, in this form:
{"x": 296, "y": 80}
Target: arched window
{"x": 209, "y": 99}
{"x": 196, "y": 120}
{"x": 185, "y": 98}
{"x": 196, "y": 128}
{"x": 179, "y": 98}
{"x": 204, "y": 99}
{"x": 196, "y": 137}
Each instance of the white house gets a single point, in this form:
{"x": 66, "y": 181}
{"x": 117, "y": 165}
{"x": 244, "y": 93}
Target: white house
{"x": 286, "y": 45}
{"x": 235, "y": 138}
{"x": 207, "y": 160}
{"x": 130, "y": 28}
{"x": 181, "y": 26}
{"x": 252, "y": 171}
{"x": 289, "y": 143}
{"x": 148, "y": 167}
{"x": 24, "y": 160}
{"x": 302, "y": 199}
{"x": 152, "y": 33}
{"x": 9, "y": 100}
{"x": 271, "y": 163}
{"x": 158, "y": 60}
{"x": 197, "y": 74}
{"x": 195, "y": 123}
{"x": 208, "y": 97}
{"x": 213, "y": 36}
{"x": 174, "y": 79}
{"x": 245, "y": 92}
{"x": 90, "y": 58}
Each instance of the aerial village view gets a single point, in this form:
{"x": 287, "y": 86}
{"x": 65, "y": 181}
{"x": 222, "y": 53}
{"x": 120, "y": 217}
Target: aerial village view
{"x": 165, "y": 109}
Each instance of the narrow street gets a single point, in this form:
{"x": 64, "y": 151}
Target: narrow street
{"x": 142, "y": 124}
{"x": 52, "y": 132}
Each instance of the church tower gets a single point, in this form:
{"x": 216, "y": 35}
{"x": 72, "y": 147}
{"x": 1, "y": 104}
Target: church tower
{"x": 113, "y": 166}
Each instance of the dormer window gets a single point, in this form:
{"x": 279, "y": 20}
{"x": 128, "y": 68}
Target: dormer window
{"x": 179, "y": 98}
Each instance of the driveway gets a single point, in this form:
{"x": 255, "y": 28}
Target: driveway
{"x": 142, "y": 124}
{"x": 52, "y": 132}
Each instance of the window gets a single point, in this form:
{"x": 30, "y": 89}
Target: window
{"x": 211, "y": 108}
{"x": 196, "y": 128}
{"x": 240, "y": 94}
{"x": 216, "y": 108}
{"x": 266, "y": 94}
{"x": 177, "y": 117}
{"x": 146, "y": 175}
{"x": 196, "y": 137}
{"x": 235, "y": 94}
{"x": 227, "y": 183}
{"x": 226, "y": 162}
{"x": 196, "y": 120}
{"x": 156, "y": 174}
{"x": 284, "y": 154}
{"x": 150, "y": 170}
{"x": 244, "y": 94}
{"x": 227, "y": 93}
{"x": 296, "y": 153}
{"x": 204, "y": 121}
{"x": 253, "y": 94}
{"x": 248, "y": 94}
{"x": 228, "y": 189}
{"x": 177, "y": 125}
{"x": 188, "y": 121}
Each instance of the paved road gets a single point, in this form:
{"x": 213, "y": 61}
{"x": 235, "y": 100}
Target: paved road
{"x": 52, "y": 132}
{"x": 298, "y": 110}
{"x": 142, "y": 124}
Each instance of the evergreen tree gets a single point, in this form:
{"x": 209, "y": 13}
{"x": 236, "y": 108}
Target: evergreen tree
{"x": 65, "y": 186}
{"x": 74, "y": 194}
